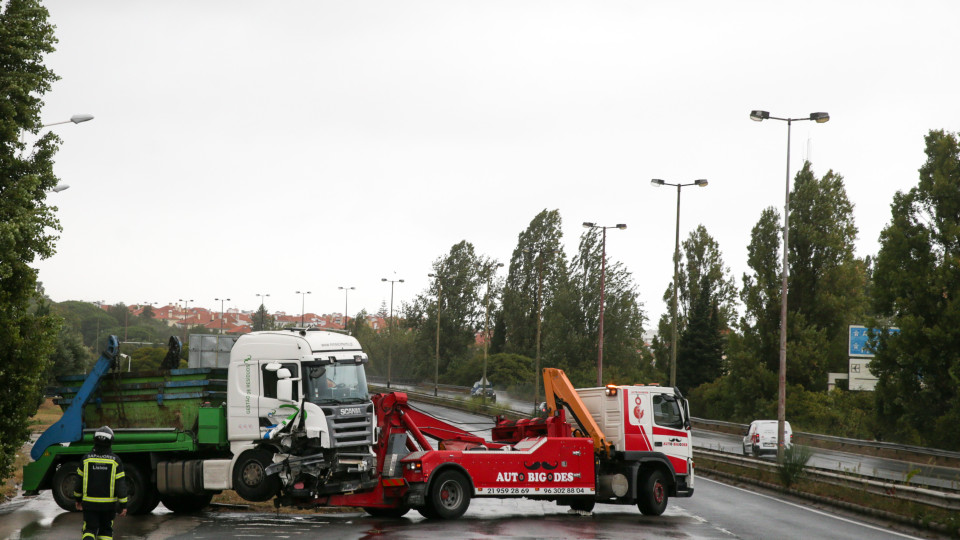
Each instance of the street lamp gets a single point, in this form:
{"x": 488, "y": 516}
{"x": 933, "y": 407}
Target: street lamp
{"x": 820, "y": 118}
{"x": 76, "y": 119}
{"x": 390, "y": 344}
{"x": 539, "y": 255}
{"x": 436, "y": 371}
{"x": 656, "y": 182}
{"x": 486, "y": 332}
{"x": 603, "y": 271}
{"x": 221, "y": 300}
{"x": 60, "y": 187}
{"x": 346, "y": 298}
{"x": 303, "y": 296}
{"x": 263, "y": 316}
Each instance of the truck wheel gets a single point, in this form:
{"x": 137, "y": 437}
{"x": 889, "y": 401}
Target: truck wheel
{"x": 250, "y": 479}
{"x": 64, "y": 483}
{"x": 427, "y": 511}
{"x": 142, "y": 496}
{"x": 392, "y": 513}
{"x": 583, "y": 504}
{"x": 186, "y": 504}
{"x": 653, "y": 493}
{"x": 449, "y": 495}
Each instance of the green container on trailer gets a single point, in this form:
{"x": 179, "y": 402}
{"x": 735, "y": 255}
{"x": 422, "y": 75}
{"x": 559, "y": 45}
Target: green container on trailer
{"x": 148, "y": 399}
{"x": 213, "y": 426}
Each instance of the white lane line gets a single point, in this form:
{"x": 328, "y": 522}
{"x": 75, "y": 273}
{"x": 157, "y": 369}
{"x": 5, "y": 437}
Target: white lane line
{"x": 808, "y": 509}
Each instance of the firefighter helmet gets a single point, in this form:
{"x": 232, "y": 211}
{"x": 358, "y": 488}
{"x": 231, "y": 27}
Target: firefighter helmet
{"x": 103, "y": 435}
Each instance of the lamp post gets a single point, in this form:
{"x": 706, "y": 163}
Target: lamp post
{"x": 539, "y": 255}
{"x": 390, "y": 344}
{"x": 603, "y": 271}
{"x": 488, "y": 270}
{"x": 183, "y": 319}
{"x": 436, "y": 371}
{"x": 656, "y": 182}
{"x": 221, "y": 300}
{"x": 303, "y": 296}
{"x": 346, "y": 299}
{"x": 263, "y": 305}
{"x": 820, "y": 118}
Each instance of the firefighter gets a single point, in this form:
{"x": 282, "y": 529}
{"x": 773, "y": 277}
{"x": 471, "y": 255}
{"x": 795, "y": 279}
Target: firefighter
{"x": 101, "y": 490}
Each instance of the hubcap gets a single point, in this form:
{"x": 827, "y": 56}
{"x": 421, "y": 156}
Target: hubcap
{"x": 252, "y": 474}
{"x": 658, "y": 492}
{"x": 450, "y": 494}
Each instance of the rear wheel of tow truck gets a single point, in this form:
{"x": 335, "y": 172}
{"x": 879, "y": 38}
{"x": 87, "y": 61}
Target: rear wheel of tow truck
{"x": 449, "y": 495}
{"x": 652, "y": 493}
{"x": 392, "y": 513}
{"x": 65, "y": 482}
{"x": 250, "y": 479}
{"x": 583, "y": 504}
{"x": 186, "y": 504}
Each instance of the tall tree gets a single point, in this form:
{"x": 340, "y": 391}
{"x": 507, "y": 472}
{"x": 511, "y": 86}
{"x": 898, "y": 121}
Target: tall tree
{"x": 916, "y": 283}
{"x": 700, "y": 354}
{"x": 827, "y": 281}
{"x": 702, "y": 272}
{"x": 27, "y": 224}
{"x": 536, "y": 267}
{"x": 261, "y": 320}
{"x": 761, "y": 291}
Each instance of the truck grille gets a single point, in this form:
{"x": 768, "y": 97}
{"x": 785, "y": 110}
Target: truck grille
{"x": 350, "y": 425}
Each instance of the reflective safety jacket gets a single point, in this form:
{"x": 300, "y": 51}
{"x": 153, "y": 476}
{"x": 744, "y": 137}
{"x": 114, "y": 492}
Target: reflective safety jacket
{"x": 102, "y": 484}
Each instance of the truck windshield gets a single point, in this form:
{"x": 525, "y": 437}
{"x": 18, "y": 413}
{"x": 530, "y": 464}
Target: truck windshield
{"x": 336, "y": 383}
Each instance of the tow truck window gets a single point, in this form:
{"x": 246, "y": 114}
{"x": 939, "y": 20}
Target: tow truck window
{"x": 666, "y": 412}
{"x": 270, "y": 380}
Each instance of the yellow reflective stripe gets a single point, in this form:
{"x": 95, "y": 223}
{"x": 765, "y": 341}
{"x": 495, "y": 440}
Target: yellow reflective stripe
{"x": 120, "y": 475}
{"x": 99, "y": 499}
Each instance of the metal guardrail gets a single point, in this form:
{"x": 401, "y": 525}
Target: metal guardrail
{"x": 940, "y": 498}
{"x": 936, "y": 452}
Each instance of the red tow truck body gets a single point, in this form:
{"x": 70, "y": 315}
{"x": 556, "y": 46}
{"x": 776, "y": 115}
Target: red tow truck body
{"x": 570, "y": 460}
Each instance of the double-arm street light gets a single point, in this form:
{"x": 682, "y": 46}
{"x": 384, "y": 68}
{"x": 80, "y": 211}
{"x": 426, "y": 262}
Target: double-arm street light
{"x": 390, "y": 335}
{"x": 820, "y": 118}
{"x": 263, "y": 314}
{"x": 303, "y": 301}
{"x": 603, "y": 271}
{"x": 436, "y": 369}
{"x": 346, "y": 302}
{"x": 656, "y": 182}
{"x": 221, "y": 300}
{"x": 539, "y": 256}
{"x": 488, "y": 269}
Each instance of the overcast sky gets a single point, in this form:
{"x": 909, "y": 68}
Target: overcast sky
{"x": 269, "y": 147}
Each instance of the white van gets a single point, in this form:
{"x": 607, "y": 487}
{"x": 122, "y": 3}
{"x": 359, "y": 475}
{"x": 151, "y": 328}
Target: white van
{"x": 761, "y": 437}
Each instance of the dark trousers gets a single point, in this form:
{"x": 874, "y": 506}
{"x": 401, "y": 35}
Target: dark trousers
{"x": 98, "y": 524}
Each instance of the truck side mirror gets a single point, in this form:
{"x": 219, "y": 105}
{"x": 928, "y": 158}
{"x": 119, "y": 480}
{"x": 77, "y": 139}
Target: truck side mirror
{"x": 285, "y": 390}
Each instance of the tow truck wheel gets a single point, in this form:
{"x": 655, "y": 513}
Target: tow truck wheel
{"x": 583, "y": 504}
{"x": 428, "y": 512}
{"x": 64, "y": 483}
{"x": 652, "y": 493}
{"x": 250, "y": 479}
{"x": 393, "y": 513}
{"x": 449, "y": 495}
{"x": 186, "y": 504}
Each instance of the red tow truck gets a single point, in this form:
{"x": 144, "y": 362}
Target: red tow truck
{"x": 614, "y": 445}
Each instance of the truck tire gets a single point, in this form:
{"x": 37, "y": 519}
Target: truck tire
{"x": 391, "y": 513}
{"x": 652, "y": 493}
{"x": 427, "y": 511}
{"x": 449, "y": 495}
{"x": 64, "y": 483}
{"x": 583, "y": 504}
{"x": 250, "y": 479}
{"x": 142, "y": 496}
{"x": 186, "y": 504}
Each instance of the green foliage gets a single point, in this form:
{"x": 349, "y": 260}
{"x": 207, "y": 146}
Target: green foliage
{"x": 510, "y": 372}
{"x": 916, "y": 284}
{"x": 700, "y": 354}
{"x": 792, "y": 465}
{"x": 761, "y": 292}
{"x": 262, "y": 320}
{"x": 148, "y": 359}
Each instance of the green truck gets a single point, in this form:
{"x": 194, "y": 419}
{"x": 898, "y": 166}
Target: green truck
{"x": 184, "y": 435}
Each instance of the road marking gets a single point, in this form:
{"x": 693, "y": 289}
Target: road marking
{"x": 807, "y": 508}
